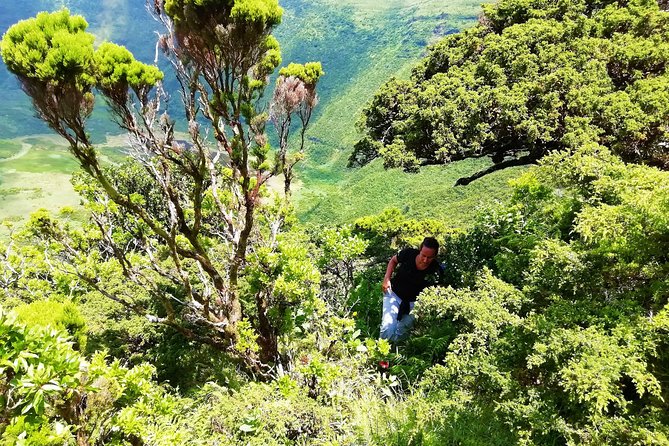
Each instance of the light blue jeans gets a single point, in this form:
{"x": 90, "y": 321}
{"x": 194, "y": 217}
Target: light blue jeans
{"x": 392, "y": 329}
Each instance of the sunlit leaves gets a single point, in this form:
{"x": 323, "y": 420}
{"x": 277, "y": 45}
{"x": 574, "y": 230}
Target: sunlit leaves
{"x": 117, "y": 68}
{"x": 40, "y": 371}
{"x": 579, "y": 355}
{"x": 308, "y": 73}
{"x": 50, "y": 47}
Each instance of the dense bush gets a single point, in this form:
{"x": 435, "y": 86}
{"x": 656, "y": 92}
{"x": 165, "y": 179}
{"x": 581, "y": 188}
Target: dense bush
{"x": 570, "y": 347}
{"x": 63, "y": 316}
{"x": 50, "y": 395}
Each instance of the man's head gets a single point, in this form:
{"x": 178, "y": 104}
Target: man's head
{"x": 430, "y": 242}
{"x": 427, "y": 252}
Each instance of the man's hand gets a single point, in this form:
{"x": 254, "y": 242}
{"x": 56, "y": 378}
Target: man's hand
{"x": 385, "y": 286}
{"x": 392, "y": 263}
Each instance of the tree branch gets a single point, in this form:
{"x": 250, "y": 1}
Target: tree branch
{"x": 522, "y": 161}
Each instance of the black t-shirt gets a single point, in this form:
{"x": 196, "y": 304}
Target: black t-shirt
{"x": 409, "y": 281}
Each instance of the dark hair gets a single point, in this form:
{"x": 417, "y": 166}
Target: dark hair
{"x": 430, "y": 242}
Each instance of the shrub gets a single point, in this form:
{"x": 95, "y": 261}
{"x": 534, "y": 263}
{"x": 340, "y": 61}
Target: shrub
{"x": 60, "y": 315}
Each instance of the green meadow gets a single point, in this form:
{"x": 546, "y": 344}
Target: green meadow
{"x": 35, "y": 173}
{"x": 329, "y": 192}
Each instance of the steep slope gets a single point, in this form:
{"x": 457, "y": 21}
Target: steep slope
{"x": 360, "y": 43}
{"x": 385, "y": 40}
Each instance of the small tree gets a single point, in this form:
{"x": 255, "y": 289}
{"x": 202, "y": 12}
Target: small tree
{"x": 295, "y": 94}
{"x": 182, "y": 216}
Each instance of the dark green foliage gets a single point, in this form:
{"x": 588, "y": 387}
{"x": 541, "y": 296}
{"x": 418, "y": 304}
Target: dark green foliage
{"x": 531, "y": 77}
{"x": 464, "y": 253}
{"x": 569, "y": 349}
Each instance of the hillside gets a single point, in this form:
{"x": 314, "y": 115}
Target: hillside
{"x": 186, "y": 307}
{"x": 361, "y": 45}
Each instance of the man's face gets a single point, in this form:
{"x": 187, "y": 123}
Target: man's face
{"x": 425, "y": 257}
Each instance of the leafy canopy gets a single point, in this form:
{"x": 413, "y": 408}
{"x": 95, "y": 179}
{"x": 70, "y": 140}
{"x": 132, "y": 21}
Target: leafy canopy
{"x": 308, "y": 73}
{"x": 116, "y": 66}
{"x": 563, "y": 331}
{"x": 50, "y": 47}
{"x": 533, "y": 76}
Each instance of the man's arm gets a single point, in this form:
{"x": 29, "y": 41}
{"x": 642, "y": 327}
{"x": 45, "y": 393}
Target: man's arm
{"x": 385, "y": 286}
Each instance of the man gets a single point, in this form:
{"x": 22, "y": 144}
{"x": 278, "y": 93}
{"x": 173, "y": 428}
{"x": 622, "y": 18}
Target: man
{"x": 417, "y": 270}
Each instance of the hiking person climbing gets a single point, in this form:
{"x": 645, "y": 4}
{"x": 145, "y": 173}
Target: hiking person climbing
{"x": 418, "y": 269}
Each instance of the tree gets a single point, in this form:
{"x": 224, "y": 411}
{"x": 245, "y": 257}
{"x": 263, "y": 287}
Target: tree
{"x": 531, "y": 77}
{"x": 181, "y": 217}
{"x": 295, "y": 93}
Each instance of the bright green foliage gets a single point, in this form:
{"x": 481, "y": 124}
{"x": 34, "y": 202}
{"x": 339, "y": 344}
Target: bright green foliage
{"x": 128, "y": 405}
{"x": 53, "y": 57}
{"x": 235, "y": 33}
{"x": 391, "y": 231}
{"x": 200, "y": 14}
{"x": 27, "y": 276}
{"x": 40, "y": 382}
{"x": 254, "y": 11}
{"x": 572, "y": 348}
{"x": 64, "y": 316}
{"x": 117, "y": 69}
{"x": 287, "y": 275}
{"x": 50, "y": 47}
{"x": 52, "y": 396}
{"x": 308, "y": 73}
{"x": 531, "y": 77}
{"x": 260, "y": 414}
{"x": 179, "y": 219}
{"x": 339, "y": 259}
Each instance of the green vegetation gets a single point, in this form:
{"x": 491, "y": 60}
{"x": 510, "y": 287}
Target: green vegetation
{"x": 8, "y": 149}
{"x": 180, "y": 217}
{"x": 64, "y": 316}
{"x": 553, "y": 331}
{"x": 427, "y": 194}
{"x": 563, "y": 333}
{"x": 360, "y": 44}
{"x": 386, "y": 39}
{"x": 530, "y": 78}
{"x": 190, "y": 306}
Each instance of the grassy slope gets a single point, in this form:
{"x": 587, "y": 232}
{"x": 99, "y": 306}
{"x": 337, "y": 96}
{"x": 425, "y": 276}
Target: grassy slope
{"x": 361, "y": 43}
{"x": 395, "y": 34}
